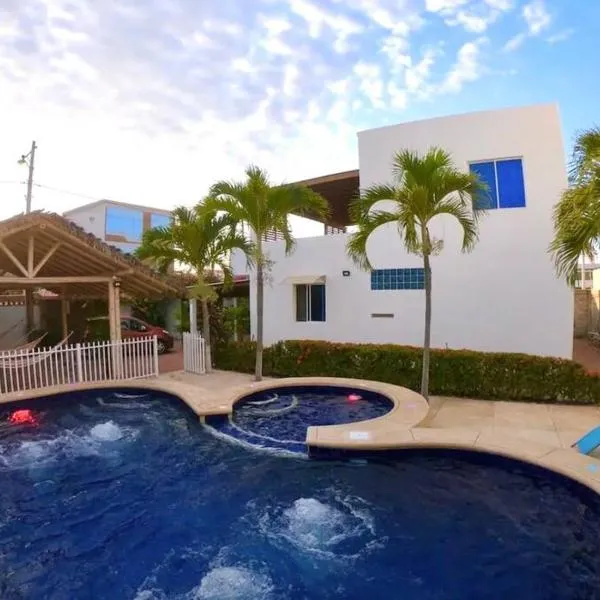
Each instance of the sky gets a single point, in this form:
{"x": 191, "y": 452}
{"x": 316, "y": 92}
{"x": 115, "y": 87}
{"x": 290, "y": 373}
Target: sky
{"x": 150, "y": 102}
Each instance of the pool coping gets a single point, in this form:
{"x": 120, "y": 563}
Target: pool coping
{"x": 397, "y": 429}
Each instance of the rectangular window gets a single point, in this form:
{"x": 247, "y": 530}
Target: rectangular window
{"x": 505, "y": 181}
{"x": 157, "y": 220}
{"x": 398, "y": 279}
{"x": 124, "y": 224}
{"x": 310, "y": 302}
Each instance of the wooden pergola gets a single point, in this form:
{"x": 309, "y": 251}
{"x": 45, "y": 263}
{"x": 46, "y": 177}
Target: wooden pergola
{"x": 46, "y": 251}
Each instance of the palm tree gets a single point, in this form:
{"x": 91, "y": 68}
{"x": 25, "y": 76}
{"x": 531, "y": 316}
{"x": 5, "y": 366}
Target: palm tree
{"x": 264, "y": 208}
{"x": 423, "y": 188}
{"x": 201, "y": 240}
{"x": 577, "y": 214}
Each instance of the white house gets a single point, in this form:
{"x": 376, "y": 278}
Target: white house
{"x": 504, "y": 296}
{"x": 118, "y": 223}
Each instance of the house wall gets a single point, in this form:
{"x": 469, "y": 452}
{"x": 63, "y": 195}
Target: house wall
{"x": 92, "y": 218}
{"x": 504, "y": 296}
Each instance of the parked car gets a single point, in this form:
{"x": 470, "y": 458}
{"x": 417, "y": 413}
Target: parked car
{"x": 132, "y": 327}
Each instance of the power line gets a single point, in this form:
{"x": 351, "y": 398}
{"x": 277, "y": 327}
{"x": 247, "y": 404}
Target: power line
{"x": 68, "y": 193}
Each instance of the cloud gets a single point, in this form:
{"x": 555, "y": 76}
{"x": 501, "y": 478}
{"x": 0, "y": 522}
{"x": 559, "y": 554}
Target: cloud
{"x": 466, "y": 68}
{"x": 151, "y": 102}
{"x": 537, "y": 19}
{"x": 561, "y": 36}
{"x": 536, "y": 16}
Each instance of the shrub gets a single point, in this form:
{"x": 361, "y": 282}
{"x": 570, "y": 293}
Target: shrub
{"x": 463, "y": 373}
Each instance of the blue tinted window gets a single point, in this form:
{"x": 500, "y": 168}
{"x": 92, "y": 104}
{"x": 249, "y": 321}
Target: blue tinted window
{"x": 157, "y": 220}
{"x": 511, "y": 186}
{"x": 505, "y": 181}
{"x": 126, "y": 224}
{"x": 398, "y": 279}
{"x": 487, "y": 174}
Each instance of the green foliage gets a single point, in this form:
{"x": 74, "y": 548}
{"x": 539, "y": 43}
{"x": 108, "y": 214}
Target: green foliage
{"x": 462, "y": 373}
{"x": 98, "y": 330}
{"x": 151, "y": 311}
{"x": 237, "y": 317}
{"x": 577, "y": 215}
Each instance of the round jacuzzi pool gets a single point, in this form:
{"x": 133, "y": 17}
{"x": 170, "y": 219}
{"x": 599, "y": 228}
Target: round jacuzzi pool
{"x": 278, "y": 418}
{"x": 125, "y": 495}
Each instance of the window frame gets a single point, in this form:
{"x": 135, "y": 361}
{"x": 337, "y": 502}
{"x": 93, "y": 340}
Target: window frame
{"x": 308, "y": 300}
{"x": 495, "y": 162}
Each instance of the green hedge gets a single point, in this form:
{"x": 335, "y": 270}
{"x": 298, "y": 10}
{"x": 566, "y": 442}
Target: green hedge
{"x": 462, "y": 373}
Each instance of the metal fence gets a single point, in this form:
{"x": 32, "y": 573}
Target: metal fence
{"x": 194, "y": 353}
{"x": 22, "y": 370}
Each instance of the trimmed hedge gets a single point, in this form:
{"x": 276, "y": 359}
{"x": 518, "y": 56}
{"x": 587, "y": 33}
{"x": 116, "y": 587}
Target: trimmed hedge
{"x": 462, "y": 373}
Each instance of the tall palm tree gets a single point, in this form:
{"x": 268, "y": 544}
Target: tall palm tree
{"x": 264, "y": 208}
{"x": 423, "y": 187}
{"x": 577, "y": 214}
{"x": 201, "y": 240}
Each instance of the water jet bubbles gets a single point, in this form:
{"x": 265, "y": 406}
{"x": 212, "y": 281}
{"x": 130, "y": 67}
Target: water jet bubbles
{"x": 233, "y": 583}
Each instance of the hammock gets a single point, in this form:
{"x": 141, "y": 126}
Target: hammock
{"x": 17, "y": 361}
{"x": 28, "y": 346}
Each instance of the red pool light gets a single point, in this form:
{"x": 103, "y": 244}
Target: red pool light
{"x": 354, "y": 397}
{"x": 21, "y": 417}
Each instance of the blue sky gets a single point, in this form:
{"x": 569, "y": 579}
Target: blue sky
{"x": 150, "y": 102}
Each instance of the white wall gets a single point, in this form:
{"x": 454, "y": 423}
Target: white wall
{"x": 502, "y": 297}
{"x": 92, "y": 218}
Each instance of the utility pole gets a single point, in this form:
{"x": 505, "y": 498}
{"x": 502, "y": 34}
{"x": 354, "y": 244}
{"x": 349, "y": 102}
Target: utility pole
{"x": 29, "y": 160}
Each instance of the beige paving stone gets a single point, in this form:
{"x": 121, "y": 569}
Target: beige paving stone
{"x": 445, "y": 436}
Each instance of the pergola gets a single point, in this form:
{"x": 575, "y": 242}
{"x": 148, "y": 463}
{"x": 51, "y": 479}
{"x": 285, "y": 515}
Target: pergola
{"x": 42, "y": 250}
{"x": 339, "y": 189}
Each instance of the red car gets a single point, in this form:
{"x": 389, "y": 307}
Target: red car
{"x": 132, "y": 327}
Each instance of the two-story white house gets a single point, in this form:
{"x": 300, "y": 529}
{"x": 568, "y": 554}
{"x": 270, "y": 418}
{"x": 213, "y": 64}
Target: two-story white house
{"x": 117, "y": 223}
{"x": 502, "y": 297}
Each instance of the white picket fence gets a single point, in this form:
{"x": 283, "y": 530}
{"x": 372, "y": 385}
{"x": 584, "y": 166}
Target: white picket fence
{"x": 194, "y": 353}
{"x": 22, "y": 370}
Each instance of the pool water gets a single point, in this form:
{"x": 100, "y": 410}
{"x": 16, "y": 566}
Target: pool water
{"x": 279, "y": 418}
{"x": 111, "y": 496}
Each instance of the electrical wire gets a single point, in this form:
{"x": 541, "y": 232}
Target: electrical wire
{"x": 66, "y": 192}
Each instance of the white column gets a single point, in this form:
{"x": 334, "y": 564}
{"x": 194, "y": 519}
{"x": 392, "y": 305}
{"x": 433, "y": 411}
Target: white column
{"x": 193, "y": 315}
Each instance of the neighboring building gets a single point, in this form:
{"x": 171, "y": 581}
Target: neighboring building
{"x": 588, "y": 271}
{"x": 117, "y": 223}
{"x": 504, "y": 296}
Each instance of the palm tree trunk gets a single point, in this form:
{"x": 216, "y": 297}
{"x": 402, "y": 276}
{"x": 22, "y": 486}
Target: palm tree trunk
{"x": 206, "y": 335}
{"x": 259, "y": 313}
{"x": 427, "y": 340}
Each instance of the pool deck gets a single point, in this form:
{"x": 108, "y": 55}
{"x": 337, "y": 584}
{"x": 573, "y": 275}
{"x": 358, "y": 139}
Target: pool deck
{"x": 537, "y": 433}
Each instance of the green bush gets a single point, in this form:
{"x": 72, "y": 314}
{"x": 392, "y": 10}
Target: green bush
{"x": 462, "y": 373}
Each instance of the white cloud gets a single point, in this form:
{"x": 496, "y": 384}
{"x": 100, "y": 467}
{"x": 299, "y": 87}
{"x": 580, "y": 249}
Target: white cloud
{"x": 467, "y": 67}
{"x": 561, "y": 36}
{"x": 417, "y": 75}
{"x": 537, "y": 19}
{"x": 536, "y": 16}
{"x": 514, "y": 42}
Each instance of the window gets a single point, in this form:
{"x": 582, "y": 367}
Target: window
{"x": 398, "y": 279}
{"x": 505, "y": 181}
{"x": 124, "y": 224}
{"x": 157, "y": 220}
{"x": 310, "y": 302}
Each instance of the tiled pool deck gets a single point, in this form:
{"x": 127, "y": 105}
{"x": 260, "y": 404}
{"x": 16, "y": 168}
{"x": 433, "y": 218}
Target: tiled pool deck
{"x": 538, "y": 433}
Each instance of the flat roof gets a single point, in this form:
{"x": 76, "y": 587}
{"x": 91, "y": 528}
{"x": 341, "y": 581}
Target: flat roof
{"x": 144, "y": 208}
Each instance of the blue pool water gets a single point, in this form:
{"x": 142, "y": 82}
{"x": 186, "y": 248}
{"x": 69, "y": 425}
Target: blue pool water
{"x": 278, "y": 418}
{"x": 114, "y": 497}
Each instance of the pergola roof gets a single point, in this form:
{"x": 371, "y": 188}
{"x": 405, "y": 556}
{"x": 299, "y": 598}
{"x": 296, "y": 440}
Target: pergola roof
{"x": 339, "y": 189}
{"x": 46, "y": 250}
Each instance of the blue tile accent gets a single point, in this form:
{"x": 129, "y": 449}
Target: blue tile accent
{"x": 398, "y": 279}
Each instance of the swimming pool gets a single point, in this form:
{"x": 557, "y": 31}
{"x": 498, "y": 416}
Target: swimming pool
{"x": 113, "y": 496}
{"x": 278, "y": 418}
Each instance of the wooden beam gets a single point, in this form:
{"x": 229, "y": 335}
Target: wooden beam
{"x": 14, "y": 259}
{"x": 64, "y": 310}
{"x": 30, "y": 255}
{"x": 45, "y": 259}
{"x": 17, "y": 282}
